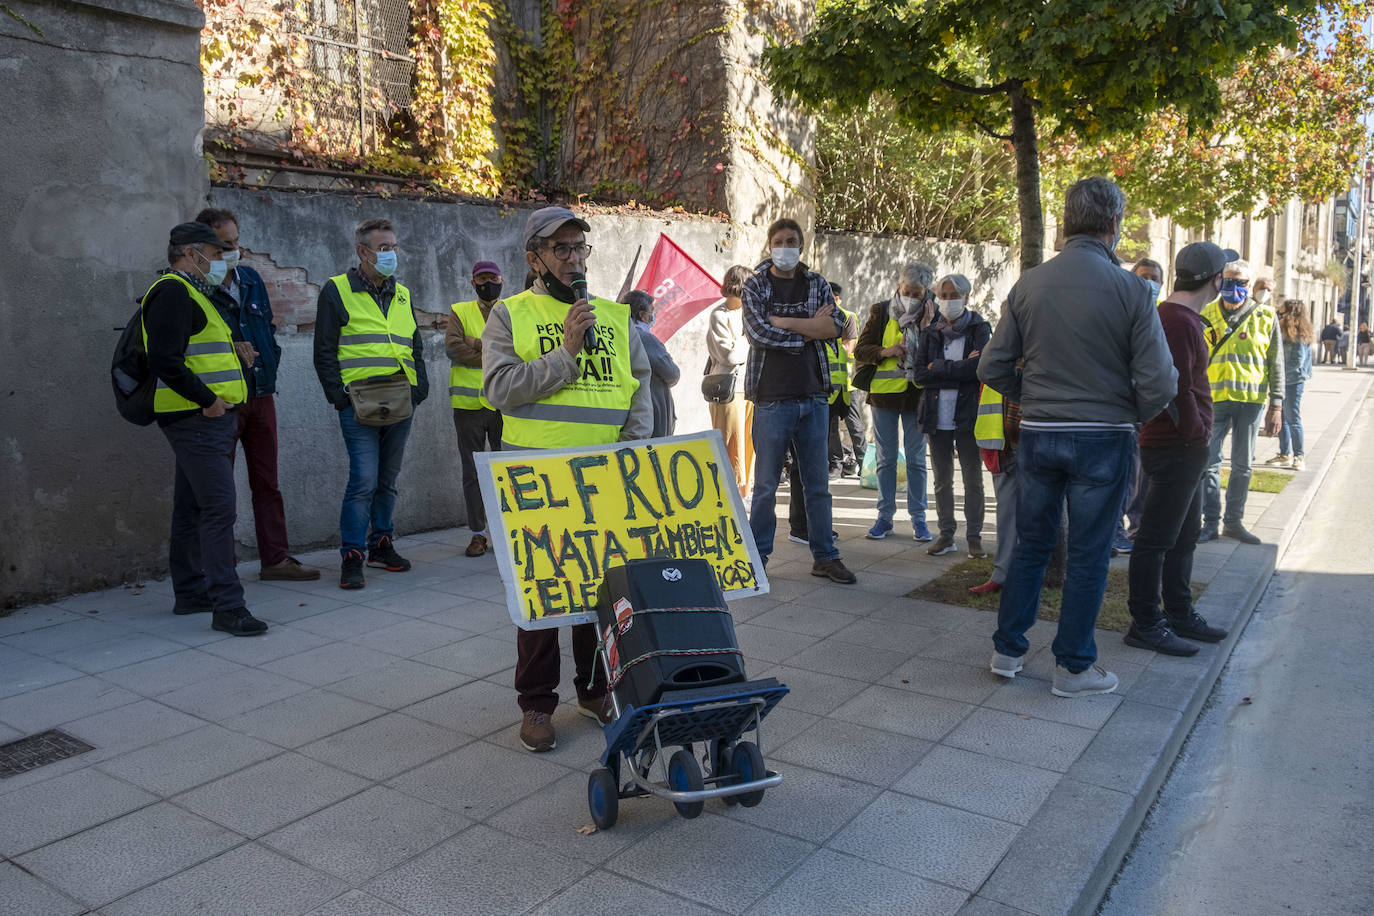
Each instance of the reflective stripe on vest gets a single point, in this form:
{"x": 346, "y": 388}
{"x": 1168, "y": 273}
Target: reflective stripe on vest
{"x": 465, "y": 382}
{"x": 988, "y": 428}
{"x": 209, "y": 354}
{"x": 838, "y": 359}
{"x": 1237, "y": 372}
{"x": 588, "y": 411}
{"x": 889, "y": 379}
{"x": 371, "y": 343}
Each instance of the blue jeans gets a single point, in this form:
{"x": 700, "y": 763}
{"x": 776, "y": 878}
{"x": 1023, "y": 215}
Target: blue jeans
{"x": 1092, "y": 469}
{"x": 885, "y": 433}
{"x": 1242, "y": 421}
{"x": 1290, "y": 433}
{"x": 374, "y": 461}
{"x": 804, "y": 422}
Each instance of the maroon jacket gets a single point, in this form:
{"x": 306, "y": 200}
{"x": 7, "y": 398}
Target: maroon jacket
{"x": 1193, "y": 403}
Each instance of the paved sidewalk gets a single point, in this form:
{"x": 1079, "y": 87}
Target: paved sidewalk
{"x": 362, "y": 758}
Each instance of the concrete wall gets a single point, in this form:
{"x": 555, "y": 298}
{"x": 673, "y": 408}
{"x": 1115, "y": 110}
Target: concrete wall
{"x": 101, "y": 157}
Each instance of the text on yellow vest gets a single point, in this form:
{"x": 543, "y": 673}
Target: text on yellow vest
{"x": 465, "y": 382}
{"x": 1237, "y": 371}
{"x": 209, "y": 354}
{"x": 372, "y": 343}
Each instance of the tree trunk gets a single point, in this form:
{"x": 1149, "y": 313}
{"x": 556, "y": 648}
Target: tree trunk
{"x": 1027, "y": 178}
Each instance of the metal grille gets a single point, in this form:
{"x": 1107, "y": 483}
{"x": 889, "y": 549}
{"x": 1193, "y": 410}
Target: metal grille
{"x": 38, "y": 750}
{"x": 358, "y": 68}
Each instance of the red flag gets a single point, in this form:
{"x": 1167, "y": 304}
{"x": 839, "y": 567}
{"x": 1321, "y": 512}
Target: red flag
{"x": 680, "y": 286}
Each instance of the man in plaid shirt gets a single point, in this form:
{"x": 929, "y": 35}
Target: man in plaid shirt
{"x": 788, "y": 310}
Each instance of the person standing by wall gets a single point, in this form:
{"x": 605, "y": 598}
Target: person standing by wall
{"x": 893, "y": 327}
{"x": 728, "y": 351}
{"x": 365, "y": 328}
{"x": 476, "y": 422}
{"x": 1295, "y": 328}
{"x": 664, "y": 372}
{"x": 1362, "y": 343}
{"x": 844, "y": 399}
{"x": 200, "y": 386}
{"x": 1330, "y": 335}
{"x": 1093, "y": 363}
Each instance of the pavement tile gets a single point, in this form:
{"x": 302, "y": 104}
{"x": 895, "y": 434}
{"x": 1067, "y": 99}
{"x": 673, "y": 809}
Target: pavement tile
{"x": 812, "y": 691}
{"x": 31, "y": 672}
{"x": 356, "y": 903}
{"x": 417, "y": 602}
{"x": 915, "y": 612}
{"x": 998, "y": 788}
{"x": 1037, "y": 742}
{"x": 385, "y": 746}
{"x": 399, "y": 683}
{"x": 476, "y": 708}
{"x": 48, "y": 811}
{"x": 126, "y": 728}
{"x": 33, "y": 617}
{"x": 303, "y": 718}
{"x": 713, "y": 860}
{"x": 768, "y": 644}
{"x": 270, "y": 794}
{"x": 279, "y": 641}
{"x": 1167, "y": 688}
{"x": 189, "y": 629}
{"x": 831, "y": 656}
{"x": 411, "y": 637}
{"x": 580, "y": 740}
{"x": 888, "y": 634}
{"x": 288, "y": 607}
{"x": 1128, "y": 747}
{"x": 169, "y": 672}
{"x": 477, "y": 616}
{"x": 479, "y": 779}
{"x": 482, "y": 872}
{"x": 809, "y": 621}
{"x": 1025, "y": 696}
{"x": 854, "y": 751}
{"x": 1044, "y": 872}
{"x": 48, "y": 707}
{"x": 363, "y": 836}
{"x": 744, "y": 609}
{"x": 981, "y": 906}
{"x": 953, "y": 680}
{"x": 232, "y": 694}
{"x": 188, "y": 760}
{"x": 71, "y": 633}
{"x": 247, "y": 881}
{"x": 328, "y": 663}
{"x": 126, "y": 649}
{"x": 808, "y": 804}
{"x": 923, "y": 838}
{"x": 604, "y": 894}
{"x": 782, "y": 725}
{"x": 348, "y": 621}
{"x": 22, "y": 893}
{"x": 855, "y": 886}
{"x": 477, "y": 656}
{"x": 906, "y": 712}
{"x": 483, "y": 586}
{"x": 111, "y": 860}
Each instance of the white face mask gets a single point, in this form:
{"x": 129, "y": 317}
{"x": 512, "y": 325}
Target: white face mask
{"x": 786, "y": 258}
{"x": 231, "y": 260}
{"x": 909, "y": 303}
{"x": 1261, "y": 296}
{"x": 952, "y": 308}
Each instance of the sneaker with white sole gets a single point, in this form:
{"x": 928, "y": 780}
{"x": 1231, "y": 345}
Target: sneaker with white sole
{"x": 881, "y": 529}
{"x": 943, "y": 544}
{"x": 1298, "y": 464}
{"x": 1006, "y": 665}
{"x": 1090, "y": 681}
{"x": 1279, "y": 461}
{"x": 920, "y": 532}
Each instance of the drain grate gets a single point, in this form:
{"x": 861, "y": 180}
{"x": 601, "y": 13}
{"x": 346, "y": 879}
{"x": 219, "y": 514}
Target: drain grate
{"x": 38, "y": 750}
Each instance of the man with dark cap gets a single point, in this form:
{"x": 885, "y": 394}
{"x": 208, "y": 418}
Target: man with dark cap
{"x": 199, "y": 386}
{"x": 478, "y": 424}
{"x": 533, "y": 361}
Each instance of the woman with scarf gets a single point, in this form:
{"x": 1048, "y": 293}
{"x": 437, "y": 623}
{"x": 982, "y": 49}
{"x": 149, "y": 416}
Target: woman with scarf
{"x": 945, "y": 362}
{"x": 892, "y": 329}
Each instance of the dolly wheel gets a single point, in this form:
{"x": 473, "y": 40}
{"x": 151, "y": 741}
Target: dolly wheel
{"x": 747, "y": 762}
{"x": 684, "y": 775}
{"x": 603, "y": 798}
{"x": 723, "y": 770}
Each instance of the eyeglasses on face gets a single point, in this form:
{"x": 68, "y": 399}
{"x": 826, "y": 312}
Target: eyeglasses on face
{"x": 564, "y": 252}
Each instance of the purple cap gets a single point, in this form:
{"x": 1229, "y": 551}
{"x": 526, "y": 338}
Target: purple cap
{"x": 486, "y": 267}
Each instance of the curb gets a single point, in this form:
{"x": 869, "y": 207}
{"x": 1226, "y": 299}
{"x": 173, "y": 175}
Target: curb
{"x": 1065, "y": 859}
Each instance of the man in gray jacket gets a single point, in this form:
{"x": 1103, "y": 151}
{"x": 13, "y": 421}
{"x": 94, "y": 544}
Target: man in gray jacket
{"x": 1080, "y": 346}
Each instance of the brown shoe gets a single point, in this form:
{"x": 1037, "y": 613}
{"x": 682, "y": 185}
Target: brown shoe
{"x": 536, "y": 732}
{"x": 833, "y": 570}
{"x": 599, "y": 709}
{"x": 477, "y": 546}
{"x": 289, "y": 569}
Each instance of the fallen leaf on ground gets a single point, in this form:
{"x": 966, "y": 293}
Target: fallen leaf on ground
{"x": 586, "y": 830}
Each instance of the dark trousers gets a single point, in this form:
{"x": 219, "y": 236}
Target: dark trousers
{"x": 537, "y": 667}
{"x": 846, "y": 411}
{"x": 796, "y": 497}
{"x": 1162, "y": 558}
{"x": 201, "y": 547}
{"x": 257, "y": 430}
{"x": 478, "y": 431}
{"x": 942, "y": 445}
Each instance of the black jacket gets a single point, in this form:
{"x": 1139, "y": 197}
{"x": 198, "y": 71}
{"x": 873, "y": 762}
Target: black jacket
{"x": 936, "y": 373}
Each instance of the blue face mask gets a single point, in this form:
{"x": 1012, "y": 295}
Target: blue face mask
{"x": 215, "y": 271}
{"x": 1154, "y": 290}
{"x": 385, "y": 263}
{"x": 1233, "y": 292}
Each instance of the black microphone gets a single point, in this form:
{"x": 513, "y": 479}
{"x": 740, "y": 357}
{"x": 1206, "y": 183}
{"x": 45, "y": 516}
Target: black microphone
{"x": 590, "y": 341}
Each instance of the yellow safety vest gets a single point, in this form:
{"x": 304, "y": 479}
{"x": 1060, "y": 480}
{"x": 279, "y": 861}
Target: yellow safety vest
{"x": 465, "y": 382}
{"x": 890, "y": 378}
{"x": 371, "y": 343}
{"x": 1237, "y": 370}
{"x": 588, "y": 411}
{"x": 838, "y": 358}
{"x": 988, "y": 428}
{"x": 209, "y": 354}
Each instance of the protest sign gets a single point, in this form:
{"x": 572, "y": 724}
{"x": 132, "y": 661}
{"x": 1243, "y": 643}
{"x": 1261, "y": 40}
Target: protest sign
{"x": 559, "y": 517}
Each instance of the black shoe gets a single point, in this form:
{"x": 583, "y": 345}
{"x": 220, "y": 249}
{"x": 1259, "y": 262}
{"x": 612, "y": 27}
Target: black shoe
{"x": 1159, "y": 638}
{"x": 237, "y": 622}
{"x": 1208, "y": 533}
{"x": 1240, "y": 534}
{"x": 351, "y": 572}
{"x": 198, "y": 604}
{"x": 849, "y": 470}
{"x": 1194, "y": 627}
{"x": 384, "y": 556}
{"x": 833, "y": 570}
{"x": 835, "y": 473}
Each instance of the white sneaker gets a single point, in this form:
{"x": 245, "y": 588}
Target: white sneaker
{"x": 1006, "y": 665}
{"x": 1297, "y": 464}
{"x": 1279, "y": 461}
{"x": 1091, "y": 680}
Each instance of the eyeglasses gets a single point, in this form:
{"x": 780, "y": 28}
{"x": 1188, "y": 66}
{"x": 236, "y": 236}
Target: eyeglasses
{"x": 381, "y": 248}
{"x": 564, "y": 252}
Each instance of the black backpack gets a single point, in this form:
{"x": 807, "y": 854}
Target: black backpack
{"x": 134, "y": 385}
